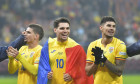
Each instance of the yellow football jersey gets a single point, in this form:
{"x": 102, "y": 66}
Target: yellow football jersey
{"x": 57, "y": 58}
{"x": 115, "y": 50}
{"x": 32, "y": 56}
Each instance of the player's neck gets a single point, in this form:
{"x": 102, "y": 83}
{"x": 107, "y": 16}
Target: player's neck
{"x": 106, "y": 41}
{"x": 32, "y": 45}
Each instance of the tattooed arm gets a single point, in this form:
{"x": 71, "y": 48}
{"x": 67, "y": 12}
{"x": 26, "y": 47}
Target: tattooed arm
{"x": 116, "y": 69}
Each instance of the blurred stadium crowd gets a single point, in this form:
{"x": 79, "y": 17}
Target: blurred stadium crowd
{"x": 84, "y": 15}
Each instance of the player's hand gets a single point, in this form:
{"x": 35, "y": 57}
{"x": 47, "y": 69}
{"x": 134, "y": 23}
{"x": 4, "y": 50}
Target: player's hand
{"x": 99, "y": 56}
{"x": 103, "y": 58}
{"x": 97, "y": 52}
{"x": 50, "y": 75}
{"x": 67, "y": 77}
{"x": 9, "y": 55}
{"x": 24, "y": 33}
{"x": 11, "y": 52}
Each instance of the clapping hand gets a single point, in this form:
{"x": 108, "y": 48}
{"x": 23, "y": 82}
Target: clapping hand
{"x": 99, "y": 56}
{"x": 11, "y": 52}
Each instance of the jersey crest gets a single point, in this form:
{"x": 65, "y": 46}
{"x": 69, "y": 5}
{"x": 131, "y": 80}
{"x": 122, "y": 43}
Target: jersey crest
{"x": 111, "y": 49}
{"x": 32, "y": 53}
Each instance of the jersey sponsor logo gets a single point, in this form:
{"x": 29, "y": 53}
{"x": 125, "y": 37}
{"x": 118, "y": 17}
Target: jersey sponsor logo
{"x": 60, "y": 53}
{"x": 53, "y": 51}
{"x": 32, "y": 53}
{"x": 122, "y": 53}
{"x": 111, "y": 49}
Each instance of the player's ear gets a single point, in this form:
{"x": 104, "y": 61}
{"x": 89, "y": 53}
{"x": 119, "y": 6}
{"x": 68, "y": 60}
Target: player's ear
{"x": 55, "y": 29}
{"x": 101, "y": 27}
{"x": 37, "y": 36}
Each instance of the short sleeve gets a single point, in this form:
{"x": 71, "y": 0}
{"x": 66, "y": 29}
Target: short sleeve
{"x": 37, "y": 57}
{"x": 121, "y": 52}
{"x": 90, "y": 58}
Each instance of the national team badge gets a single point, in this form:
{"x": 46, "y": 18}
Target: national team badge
{"x": 32, "y": 53}
{"x": 111, "y": 49}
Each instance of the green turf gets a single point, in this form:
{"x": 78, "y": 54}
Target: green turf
{"x": 127, "y": 79}
{"x": 8, "y": 80}
{"x": 131, "y": 79}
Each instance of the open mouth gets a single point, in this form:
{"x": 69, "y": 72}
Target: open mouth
{"x": 64, "y": 36}
{"x": 111, "y": 32}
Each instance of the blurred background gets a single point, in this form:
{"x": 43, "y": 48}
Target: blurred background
{"x": 84, "y": 15}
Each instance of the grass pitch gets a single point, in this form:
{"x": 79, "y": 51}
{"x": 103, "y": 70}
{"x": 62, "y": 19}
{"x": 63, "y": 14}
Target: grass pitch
{"x": 131, "y": 79}
{"x": 127, "y": 79}
{"x": 8, "y": 80}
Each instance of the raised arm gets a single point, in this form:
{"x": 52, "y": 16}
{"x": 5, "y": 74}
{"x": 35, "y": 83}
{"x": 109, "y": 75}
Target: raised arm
{"x": 16, "y": 44}
{"x": 133, "y": 49}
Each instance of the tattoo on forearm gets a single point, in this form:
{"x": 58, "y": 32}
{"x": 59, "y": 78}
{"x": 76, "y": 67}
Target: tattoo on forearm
{"x": 118, "y": 68}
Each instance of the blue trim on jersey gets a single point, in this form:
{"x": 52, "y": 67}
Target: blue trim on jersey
{"x": 44, "y": 66}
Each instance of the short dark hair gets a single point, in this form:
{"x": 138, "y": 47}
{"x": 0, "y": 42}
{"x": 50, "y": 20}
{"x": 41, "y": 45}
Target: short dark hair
{"x": 106, "y": 19}
{"x": 37, "y": 29}
{"x": 60, "y": 20}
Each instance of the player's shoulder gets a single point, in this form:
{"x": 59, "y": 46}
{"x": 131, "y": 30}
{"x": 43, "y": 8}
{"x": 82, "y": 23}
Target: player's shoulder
{"x": 71, "y": 42}
{"x": 118, "y": 41}
{"x": 52, "y": 40}
{"x": 39, "y": 47}
{"x": 24, "y": 47}
{"x": 95, "y": 42}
